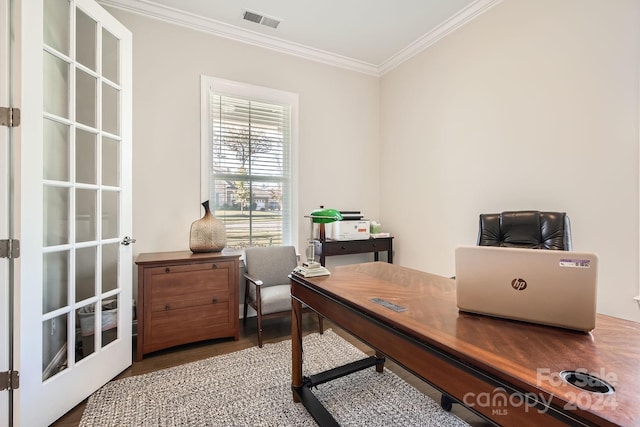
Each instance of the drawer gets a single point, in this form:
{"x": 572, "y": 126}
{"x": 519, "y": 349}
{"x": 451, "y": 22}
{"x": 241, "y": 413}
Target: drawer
{"x": 195, "y": 269}
{"x": 188, "y": 300}
{"x": 182, "y": 325}
{"x": 356, "y": 246}
{"x": 188, "y": 281}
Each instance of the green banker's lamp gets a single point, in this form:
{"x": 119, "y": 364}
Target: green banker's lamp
{"x": 324, "y": 216}
{"x": 321, "y": 217}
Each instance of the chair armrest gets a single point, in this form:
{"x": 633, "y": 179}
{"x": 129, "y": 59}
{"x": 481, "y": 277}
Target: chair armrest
{"x": 252, "y": 280}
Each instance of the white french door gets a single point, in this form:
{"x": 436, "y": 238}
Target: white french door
{"x": 73, "y": 278}
{"x": 4, "y": 213}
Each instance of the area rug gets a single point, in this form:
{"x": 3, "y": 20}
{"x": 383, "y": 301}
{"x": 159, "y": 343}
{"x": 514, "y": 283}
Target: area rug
{"x": 252, "y": 387}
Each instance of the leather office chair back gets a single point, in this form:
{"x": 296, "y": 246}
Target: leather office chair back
{"x": 526, "y": 229}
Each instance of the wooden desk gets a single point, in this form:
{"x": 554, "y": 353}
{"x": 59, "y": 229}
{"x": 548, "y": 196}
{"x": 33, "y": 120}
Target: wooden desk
{"x": 329, "y": 247}
{"x": 506, "y": 371}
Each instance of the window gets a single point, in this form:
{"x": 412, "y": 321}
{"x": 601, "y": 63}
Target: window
{"x": 248, "y": 150}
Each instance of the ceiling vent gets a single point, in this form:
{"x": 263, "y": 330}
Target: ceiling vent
{"x": 260, "y": 19}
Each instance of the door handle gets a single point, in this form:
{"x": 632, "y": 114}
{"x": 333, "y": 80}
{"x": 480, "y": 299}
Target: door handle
{"x": 128, "y": 240}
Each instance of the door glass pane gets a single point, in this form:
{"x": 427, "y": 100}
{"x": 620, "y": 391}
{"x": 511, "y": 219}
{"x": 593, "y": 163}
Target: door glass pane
{"x": 110, "y": 162}
{"x": 54, "y": 346}
{"x": 85, "y": 157}
{"x": 110, "y": 113}
{"x": 110, "y": 56}
{"x": 85, "y": 273}
{"x": 109, "y": 320}
{"x": 56, "y": 86}
{"x": 85, "y": 98}
{"x": 85, "y": 215}
{"x": 55, "y": 150}
{"x": 56, "y": 216}
{"x": 86, "y": 40}
{"x": 55, "y": 281}
{"x": 110, "y": 266}
{"x": 110, "y": 210}
{"x": 85, "y": 318}
{"x": 56, "y": 25}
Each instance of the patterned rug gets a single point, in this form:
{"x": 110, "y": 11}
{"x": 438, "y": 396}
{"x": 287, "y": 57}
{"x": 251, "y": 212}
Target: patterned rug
{"x": 252, "y": 387}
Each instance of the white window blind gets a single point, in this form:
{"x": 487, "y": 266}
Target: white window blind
{"x": 251, "y": 169}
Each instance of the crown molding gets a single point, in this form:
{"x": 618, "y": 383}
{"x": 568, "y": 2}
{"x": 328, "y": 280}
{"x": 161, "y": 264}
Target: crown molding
{"x": 221, "y": 29}
{"x": 461, "y": 18}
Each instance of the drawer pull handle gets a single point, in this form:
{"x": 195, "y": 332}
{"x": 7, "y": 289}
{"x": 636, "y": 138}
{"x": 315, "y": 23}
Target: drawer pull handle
{"x": 342, "y": 247}
{"x": 214, "y": 266}
{"x": 167, "y": 270}
{"x": 167, "y": 307}
{"x": 215, "y": 300}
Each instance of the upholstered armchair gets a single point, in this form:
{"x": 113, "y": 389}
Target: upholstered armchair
{"x": 267, "y": 285}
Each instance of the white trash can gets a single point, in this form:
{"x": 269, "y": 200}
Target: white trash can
{"x": 109, "y": 319}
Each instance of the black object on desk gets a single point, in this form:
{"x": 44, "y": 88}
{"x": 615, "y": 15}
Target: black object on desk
{"x": 328, "y": 247}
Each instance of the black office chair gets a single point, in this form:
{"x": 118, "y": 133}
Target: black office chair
{"x": 521, "y": 229}
{"x": 526, "y": 229}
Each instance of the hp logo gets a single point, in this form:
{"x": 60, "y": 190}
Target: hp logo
{"x": 519, "y": 284}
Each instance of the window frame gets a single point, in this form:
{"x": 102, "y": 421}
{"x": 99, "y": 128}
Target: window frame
{"x": 261, "y": 94}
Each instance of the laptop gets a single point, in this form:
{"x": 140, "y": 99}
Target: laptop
{"x": 549, "y": 287}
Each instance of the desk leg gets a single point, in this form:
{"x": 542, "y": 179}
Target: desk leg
{"x": 380, "y": 364}
{"x": 296, "y": 347}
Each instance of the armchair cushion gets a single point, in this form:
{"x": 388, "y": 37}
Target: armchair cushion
{"x": 276, "y": 298}
{"x": 526, "y": 229}
{"x": 271, "y": 265}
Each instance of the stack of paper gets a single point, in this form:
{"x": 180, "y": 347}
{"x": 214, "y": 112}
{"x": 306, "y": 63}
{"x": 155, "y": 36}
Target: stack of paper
{"x": 312, "y": 269}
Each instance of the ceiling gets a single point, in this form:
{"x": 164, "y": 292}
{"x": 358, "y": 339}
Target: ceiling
{"x": 370, "y": 36}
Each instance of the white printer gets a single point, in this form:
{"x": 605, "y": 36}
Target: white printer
{"x": 352, "y": 227}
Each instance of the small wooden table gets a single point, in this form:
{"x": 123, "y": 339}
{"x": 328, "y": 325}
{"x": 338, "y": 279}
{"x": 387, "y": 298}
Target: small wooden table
{"x": 506, "y": 371}
{"x": 329, "y": 247}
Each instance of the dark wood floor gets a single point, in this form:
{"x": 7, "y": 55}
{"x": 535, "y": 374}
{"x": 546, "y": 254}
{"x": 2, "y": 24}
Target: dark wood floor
{"x": 274, "y": 330}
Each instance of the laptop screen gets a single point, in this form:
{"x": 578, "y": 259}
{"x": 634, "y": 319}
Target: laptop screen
{"x": 556, "y": 288}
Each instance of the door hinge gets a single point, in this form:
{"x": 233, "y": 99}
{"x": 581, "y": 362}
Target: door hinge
{"x": 9, "y": 117}
{"x": 9, "y": 248}
{"x": 9, "y": 380}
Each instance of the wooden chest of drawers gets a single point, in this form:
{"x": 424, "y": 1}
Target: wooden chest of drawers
{"x": 185, "y": 297}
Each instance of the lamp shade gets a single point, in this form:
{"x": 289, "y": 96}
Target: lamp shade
{"x": 325, "y": 216}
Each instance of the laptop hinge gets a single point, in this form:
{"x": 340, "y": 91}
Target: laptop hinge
{"x": 9, "y": 117}
{"x": 9, "y": 380}
{"x": 9, "y": 248}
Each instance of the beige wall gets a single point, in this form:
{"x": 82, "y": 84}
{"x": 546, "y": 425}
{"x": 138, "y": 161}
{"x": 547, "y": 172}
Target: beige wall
{"x": 533, "y": 105}
{"x": 338, "y": 127}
